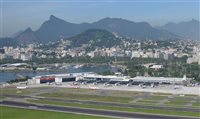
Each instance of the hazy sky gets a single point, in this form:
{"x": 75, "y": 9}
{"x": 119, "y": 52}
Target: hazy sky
{"x": 17, "y": 15}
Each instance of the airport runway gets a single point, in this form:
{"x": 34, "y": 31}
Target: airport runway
{"x": 90, "y": 111}
{"x": 108, "y": 103}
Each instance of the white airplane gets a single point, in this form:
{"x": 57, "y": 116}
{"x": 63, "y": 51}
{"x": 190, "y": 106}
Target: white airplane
{"x": 152, "y": 85}
{"x": 75, "y": 83}
{"x": 21, "y": 87}
{"x": 107, "y": 84}
{"x": 142, "y": 85}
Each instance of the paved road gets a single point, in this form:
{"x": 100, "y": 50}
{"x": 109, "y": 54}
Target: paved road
{"x": 110, "y": 104}
{"x": 90, "y": 111}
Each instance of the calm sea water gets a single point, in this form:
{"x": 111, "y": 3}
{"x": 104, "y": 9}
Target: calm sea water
{"x": 6, "y": 76}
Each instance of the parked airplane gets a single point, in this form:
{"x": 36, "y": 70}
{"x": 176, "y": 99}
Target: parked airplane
{"x": 75, "y": 83}
{"x": 142, "y": 85}
{"x": 21, "y": 87}
{"x": 152, "y": 85}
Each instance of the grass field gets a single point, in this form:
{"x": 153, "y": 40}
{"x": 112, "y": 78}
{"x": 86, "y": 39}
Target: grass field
{"x": 89, "y": 97}
{"x": 21, "y": 92}
{"x": 162, "y": 94}
{"x": 1, "y": 98}
{"x": 156, "y": 98}
{"x": 164, "y": 99}
{"x": 98, "y": 92}
{"x": 148, "y": 100}
{"x": 152, "y": 100}
{"x": 154, "y": 111}
{"x": 18, "y": 113}
{"x": 14, "y": 91}
{"x": 180, "y": 101}
{"x": 145, "y": 101}
{"x": 196, "y": 104}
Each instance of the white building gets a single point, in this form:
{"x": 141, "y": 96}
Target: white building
{"x": 156, "y": 67}
{"x": 135, "y": 54}
{"x": 2, "y": 56}
{"x": 192, "y": 60}
{"x": 170, "y": 80}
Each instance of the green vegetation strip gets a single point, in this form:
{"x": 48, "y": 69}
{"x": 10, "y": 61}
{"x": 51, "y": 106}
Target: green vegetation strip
{"x": 178, "y": 101}
{"x": 175, "y": 103}
{"x": 21, "y": 92}
{"x": 196, "y": 104}
{"x": 89, "y": 97}
{"x": 1, "y": 98}
{"x": 18, "y": 113}
{"x": 14, "y": 91}
{"x": 98, "y": 92}
{"x": 185, "y": 99}
{"x": 147, "y": 101}
{"x": 153, "y": 111}
{"x": 151, "y": 100}
{"x": 155, "y": 98}
{"x": 165, "y": 94}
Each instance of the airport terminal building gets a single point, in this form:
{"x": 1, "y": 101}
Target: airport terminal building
{"x": 112, "y": 79}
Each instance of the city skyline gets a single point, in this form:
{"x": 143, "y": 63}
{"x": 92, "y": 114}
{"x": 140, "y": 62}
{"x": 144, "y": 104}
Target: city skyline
{"x": 27, "y": 13}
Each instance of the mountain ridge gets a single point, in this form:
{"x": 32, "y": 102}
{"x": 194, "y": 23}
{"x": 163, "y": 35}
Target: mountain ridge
{"x": 26, "y": 37}
{"x": 186, "y": 29}
{"x": 95, "y": 37}
{"x": 55, "y": 28}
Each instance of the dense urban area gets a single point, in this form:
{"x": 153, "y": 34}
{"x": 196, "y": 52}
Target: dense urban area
{"x": 134, "y": 57}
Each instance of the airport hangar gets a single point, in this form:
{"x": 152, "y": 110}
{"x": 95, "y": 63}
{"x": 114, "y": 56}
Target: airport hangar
{"x": 92, "y": 77}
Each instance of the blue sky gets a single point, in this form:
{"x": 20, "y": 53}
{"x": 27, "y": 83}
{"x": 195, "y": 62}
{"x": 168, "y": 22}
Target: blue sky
{"x": 17, "y": 15}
